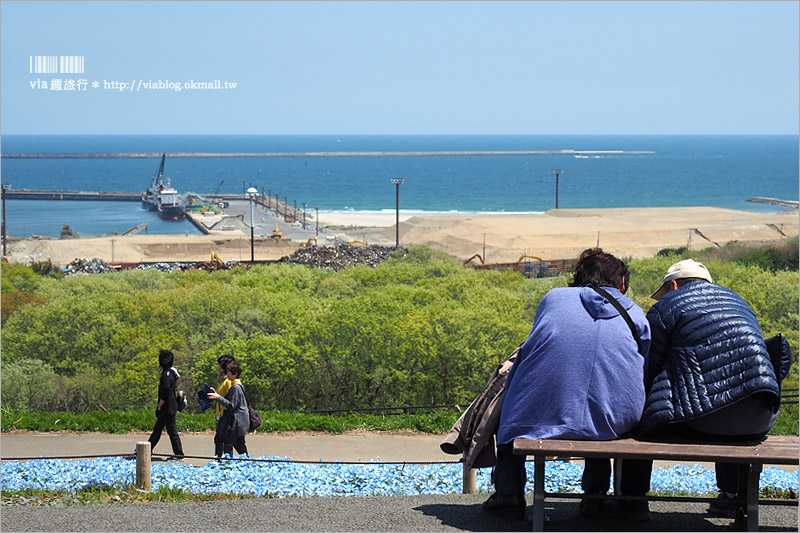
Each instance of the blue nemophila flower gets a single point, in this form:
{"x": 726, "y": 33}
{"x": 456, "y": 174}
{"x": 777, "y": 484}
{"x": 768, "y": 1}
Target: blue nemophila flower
{"x": 281, "y": 478}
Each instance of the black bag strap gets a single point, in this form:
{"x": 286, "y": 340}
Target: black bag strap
{"x": 613, "y": 301}
{"x": 245, "y": 395}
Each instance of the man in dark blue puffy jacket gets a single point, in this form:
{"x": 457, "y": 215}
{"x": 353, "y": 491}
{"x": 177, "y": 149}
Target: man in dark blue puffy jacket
{"x": 709, "y": 375}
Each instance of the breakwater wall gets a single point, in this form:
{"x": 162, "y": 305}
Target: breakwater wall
{"x": 775, "y": 201}
{"x": 113, "y": 196}
{"x": 155, "y": 155}
{"x": 28, "y": 194}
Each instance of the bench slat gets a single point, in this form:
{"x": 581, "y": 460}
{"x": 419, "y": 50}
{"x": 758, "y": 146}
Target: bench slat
{"x": 779, "y": 449}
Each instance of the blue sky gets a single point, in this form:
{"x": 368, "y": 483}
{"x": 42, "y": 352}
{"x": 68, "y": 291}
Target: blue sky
{"x": 406, "y": 67}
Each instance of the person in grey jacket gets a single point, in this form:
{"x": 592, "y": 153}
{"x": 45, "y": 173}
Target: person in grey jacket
{"x": 235, "y": 404}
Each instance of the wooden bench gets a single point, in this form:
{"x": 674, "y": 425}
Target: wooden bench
{"x": 774, "y": 450}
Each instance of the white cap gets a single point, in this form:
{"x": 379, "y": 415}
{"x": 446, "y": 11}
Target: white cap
{"x": 688, "y": 268}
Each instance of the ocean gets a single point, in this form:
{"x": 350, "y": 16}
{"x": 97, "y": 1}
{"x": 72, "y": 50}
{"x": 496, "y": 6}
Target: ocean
{"x": 683, "y": 170}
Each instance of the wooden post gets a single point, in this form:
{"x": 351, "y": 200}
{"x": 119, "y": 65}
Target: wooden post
{"x": 143, "y": 466}
{"x": 470, "y": 477}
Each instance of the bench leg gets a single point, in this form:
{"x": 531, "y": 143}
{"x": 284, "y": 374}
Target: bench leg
{"x": 753, "y": 475}
{"x": 538, "y": 493}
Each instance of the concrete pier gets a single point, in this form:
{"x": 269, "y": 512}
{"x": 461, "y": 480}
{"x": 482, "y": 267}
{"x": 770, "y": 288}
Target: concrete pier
{"x": 28, "y": 194}
{"x": 416, "y": 153}
{"x": 104, "y": 196}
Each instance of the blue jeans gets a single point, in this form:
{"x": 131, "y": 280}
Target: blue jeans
{"x": 225, "y": 442}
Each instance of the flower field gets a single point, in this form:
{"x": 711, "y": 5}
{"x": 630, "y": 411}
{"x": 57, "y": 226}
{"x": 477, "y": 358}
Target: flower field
{"x": 275, "y": 476}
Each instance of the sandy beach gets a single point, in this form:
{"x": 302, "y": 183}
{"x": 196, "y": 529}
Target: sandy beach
{"x": 555, "y": 234}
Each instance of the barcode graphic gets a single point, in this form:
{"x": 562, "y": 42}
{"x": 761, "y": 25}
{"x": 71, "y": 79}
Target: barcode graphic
{"x": 56, "y": 64}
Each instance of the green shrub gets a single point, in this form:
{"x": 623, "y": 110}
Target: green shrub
{"x": 27, "y": 384}
{"x": 419, "y": 329}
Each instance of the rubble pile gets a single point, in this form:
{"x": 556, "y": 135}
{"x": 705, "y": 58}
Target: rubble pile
{"x": 166, "y": 267}
{"x": 88, "y": 266}
{"x": 332, "y": 257}
{"x": 180, "y": 267}
{"x": 98, "y": 266}
{"x": 212, "y": 266}
{"x": 339, "y": 257}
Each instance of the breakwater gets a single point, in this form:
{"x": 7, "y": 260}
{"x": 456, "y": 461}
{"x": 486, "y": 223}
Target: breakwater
{"x": 775, "y": 201}
{"x": 28, "y": 194}
{"x": 113, "y": 196}
{"x": 155, "y": 155}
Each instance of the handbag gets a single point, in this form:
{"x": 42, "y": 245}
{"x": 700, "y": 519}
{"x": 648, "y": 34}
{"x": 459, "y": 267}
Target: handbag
{"x": 255, "y": 420}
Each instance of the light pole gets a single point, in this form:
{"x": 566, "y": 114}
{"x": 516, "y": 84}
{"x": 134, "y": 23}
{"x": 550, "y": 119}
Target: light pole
{"x": 6, "y": 187}
{"x": 252, "y": 192}
{"x": 304, "y": 216}
{"x": 557, "y": 172}
{"x": 397, "y": 182}
{"x": 316, "y": 221}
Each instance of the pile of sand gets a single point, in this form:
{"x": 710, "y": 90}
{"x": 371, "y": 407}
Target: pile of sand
{"x": 564, "y": 233}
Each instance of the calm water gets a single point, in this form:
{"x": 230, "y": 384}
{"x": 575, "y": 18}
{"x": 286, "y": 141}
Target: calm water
{"x": 721, "y": 171}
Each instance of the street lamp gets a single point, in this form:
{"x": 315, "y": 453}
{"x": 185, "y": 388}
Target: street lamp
{"x": 397, "y": 182}
{"x": 557, "y": 172}
{"x": 304, "y": 216}
{"x": 6, "y": 187}
{"x": 252, "y": 192}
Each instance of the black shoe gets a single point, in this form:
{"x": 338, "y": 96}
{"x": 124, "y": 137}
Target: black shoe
{"x": 630, "y": 511}
{"x": 175, "y": 457}
{"x": 505, "y": 506}
{"x": 591, "y": 507}
{"x": 724, "y": 506}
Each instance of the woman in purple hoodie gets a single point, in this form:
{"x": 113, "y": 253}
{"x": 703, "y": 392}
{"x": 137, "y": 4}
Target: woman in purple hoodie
{"x": 579, "y": 375}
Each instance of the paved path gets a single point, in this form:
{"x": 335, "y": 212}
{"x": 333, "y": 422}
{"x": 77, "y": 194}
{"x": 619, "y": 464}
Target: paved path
{"x": 352, "y": 446}
{"x": 456, "y": 512}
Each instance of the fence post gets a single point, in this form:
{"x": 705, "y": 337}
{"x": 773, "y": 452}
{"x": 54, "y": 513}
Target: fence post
{"x": 143, "y": 466}
{"x": 470, "y": 477}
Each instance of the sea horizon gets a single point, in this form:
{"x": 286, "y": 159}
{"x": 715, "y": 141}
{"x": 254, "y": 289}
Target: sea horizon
{"x": 682, "y": 170}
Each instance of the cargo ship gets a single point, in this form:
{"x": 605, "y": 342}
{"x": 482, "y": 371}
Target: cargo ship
{"x": 161, "y": 197}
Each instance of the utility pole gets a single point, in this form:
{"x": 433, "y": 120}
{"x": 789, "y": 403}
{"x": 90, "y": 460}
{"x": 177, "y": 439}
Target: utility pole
{"x": 252, "y": 192}
{"x": 557, "y": 172}
{"x": 397, "y": 182}
{"x": 6, "y": 187}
